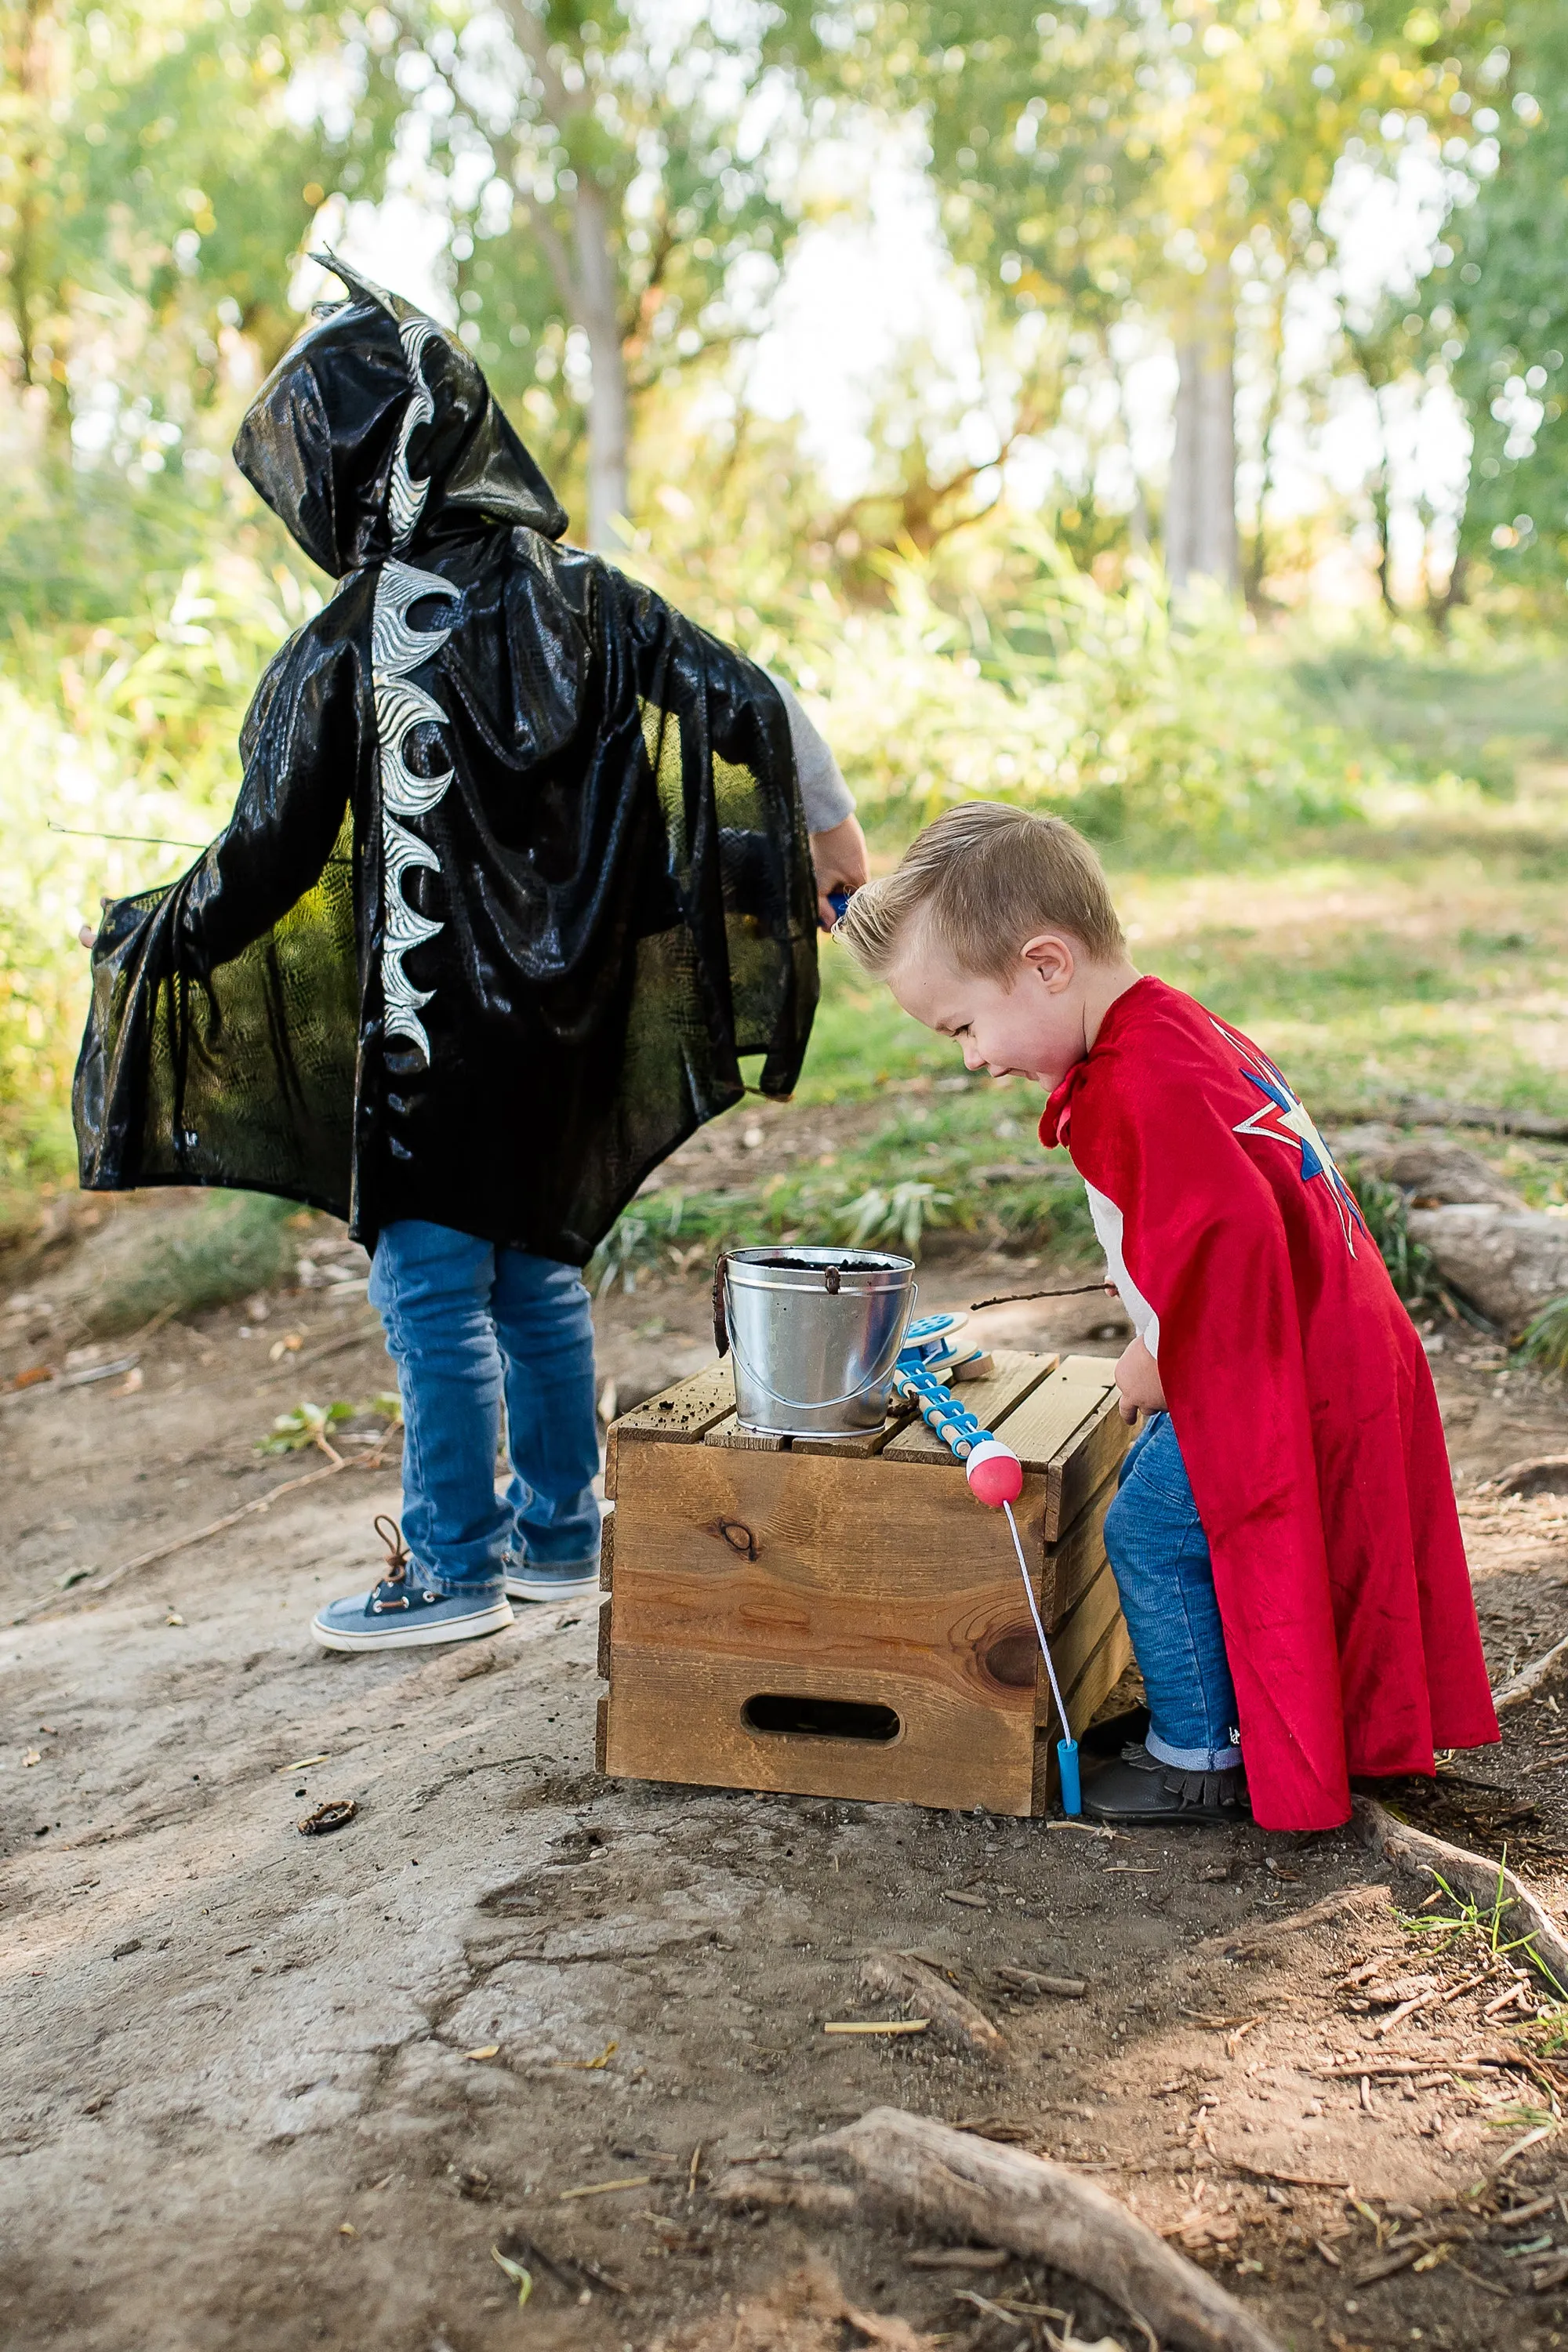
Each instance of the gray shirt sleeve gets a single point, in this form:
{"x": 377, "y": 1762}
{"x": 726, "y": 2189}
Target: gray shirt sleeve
{"x": 824, "y": 796}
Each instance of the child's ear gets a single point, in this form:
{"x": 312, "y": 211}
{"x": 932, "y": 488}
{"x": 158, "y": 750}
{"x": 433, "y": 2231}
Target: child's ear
{"x": 1051, "y": 957}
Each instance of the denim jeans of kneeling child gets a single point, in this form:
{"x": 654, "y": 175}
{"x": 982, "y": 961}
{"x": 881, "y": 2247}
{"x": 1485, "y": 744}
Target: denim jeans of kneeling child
{"x": 470, "y": 1328}
{"x": 1160, "y": 1558}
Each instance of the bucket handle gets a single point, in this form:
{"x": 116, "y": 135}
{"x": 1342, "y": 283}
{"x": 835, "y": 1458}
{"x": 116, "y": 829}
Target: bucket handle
{"x": 806, "y": 1404}
{"x": 720, "y": 1320}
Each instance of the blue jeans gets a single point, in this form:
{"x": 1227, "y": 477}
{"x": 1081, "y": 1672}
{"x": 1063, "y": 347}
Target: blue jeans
{"x": 469, "y": 1325}
{"x": 1160, "y": 1558}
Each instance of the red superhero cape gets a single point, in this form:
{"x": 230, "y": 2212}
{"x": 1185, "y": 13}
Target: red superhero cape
{"x": 1302, "y": 1400}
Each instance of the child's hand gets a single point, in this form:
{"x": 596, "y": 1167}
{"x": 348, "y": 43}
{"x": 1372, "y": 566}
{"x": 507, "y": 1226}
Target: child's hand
{"x": 838, "y": 856}
{"x": 1138, "y": 1378}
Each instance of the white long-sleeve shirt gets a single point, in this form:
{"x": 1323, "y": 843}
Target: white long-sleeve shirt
{"x": 824, "y": 796}
{"x": 1108, "y": 1226}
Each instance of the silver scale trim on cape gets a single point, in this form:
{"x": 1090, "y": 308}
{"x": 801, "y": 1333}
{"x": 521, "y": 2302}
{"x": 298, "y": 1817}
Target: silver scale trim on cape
{"x": 396, "y": 648}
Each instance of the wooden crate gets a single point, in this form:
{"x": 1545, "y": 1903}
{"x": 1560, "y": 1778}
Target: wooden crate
{"x": 842, "y": 1618}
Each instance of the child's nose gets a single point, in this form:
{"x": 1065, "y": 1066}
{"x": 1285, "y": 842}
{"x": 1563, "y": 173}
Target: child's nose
{"x": 973, "y": 1059}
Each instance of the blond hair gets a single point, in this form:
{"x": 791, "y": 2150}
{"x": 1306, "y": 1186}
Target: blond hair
{"x": 986, "y": 879}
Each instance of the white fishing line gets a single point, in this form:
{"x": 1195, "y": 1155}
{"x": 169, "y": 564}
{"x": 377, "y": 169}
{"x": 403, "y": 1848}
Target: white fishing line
{"x": 1034, "y": 1611}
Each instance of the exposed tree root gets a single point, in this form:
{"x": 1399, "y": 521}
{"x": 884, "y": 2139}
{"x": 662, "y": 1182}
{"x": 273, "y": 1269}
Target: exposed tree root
{"x": 1470, "y": 1874}
{"x": 951, "y": 2014}
{"x": 1533, "y": 1679}
{"x": 911, "y": 2170}
{"x": 1271, "y": 1933}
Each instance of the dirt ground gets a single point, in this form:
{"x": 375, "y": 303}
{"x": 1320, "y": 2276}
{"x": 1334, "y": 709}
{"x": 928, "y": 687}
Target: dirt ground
{"x": 264, "y": 2090}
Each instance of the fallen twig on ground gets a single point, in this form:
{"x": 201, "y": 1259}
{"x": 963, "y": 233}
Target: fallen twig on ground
{"x": 369, "y": 1329}
{"x": 1273, "y": 1932}
{"x": 98, "y": 1584}
{"x": 953, "y": 2016}
{"x": 1529, "y": 1679}
{"x": 1439, "y": 1996}
{"x": 1056, "y": 1988}
{"x": 1533, "y": 1932}
{"x": 977, "y": 2190}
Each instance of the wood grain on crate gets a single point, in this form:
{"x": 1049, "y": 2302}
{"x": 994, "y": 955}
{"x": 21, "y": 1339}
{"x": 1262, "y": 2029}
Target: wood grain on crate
{"x": 1048, "y": 1417}
{"x": 812, "y": 1526}
{"x": 1077, "y": 1638}
{"x": 729, "y": 1431}
{"x": 1070, "y": 1429}
{"x": 1015, "y": 1376}
{"x": 677, "y": 1714}
{"x": 677, "y": 1417}
{"x": 1082, "y": 1465}
{"x": 608, "y": 1552}
{"x": 1072, "y": 1562}
{"x": 799, "y": 1575}
{"x": 863, "y": 1447}
{"x": 860, "y": 1448}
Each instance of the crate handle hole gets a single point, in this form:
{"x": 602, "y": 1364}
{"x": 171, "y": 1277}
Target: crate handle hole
{"x": 784, "y": 1715}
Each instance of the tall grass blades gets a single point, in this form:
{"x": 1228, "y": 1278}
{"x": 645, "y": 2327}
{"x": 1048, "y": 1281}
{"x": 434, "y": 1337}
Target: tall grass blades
{"x": 1546, "y": 1340}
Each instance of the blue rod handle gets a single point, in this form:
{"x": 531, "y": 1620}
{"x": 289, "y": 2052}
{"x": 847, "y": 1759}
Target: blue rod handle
{"x": 1066, "y": 1763}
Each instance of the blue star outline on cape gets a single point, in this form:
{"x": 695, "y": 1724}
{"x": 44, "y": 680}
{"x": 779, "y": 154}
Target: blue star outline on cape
{"x": 1283, "y": 1117}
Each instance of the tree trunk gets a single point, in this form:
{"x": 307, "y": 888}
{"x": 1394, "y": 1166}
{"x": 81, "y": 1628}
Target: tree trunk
{"x": 1200, "y": 510}
{"x": 1258, "y": 556}
{"x": 599, "y": 305}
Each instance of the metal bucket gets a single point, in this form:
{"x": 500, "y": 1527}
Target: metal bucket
{"x": 814, "y": 1334}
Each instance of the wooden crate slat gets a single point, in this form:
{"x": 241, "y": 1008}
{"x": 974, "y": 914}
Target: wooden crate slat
{"x": 607, "y": 1551}
{"x": 1075, "y": 1641}
{"x": 1102, "y": 1674}
{"x": 729, "y": 1431}
{"x": 1079, "y": 1467}
{"x": 677, "y": 1716}
{"x": 605, "y": 1640}
{"x": 868, "y": 1443}
{"x": 1046, "y": 1420}
{"x": 1097, "y": 1372}
{"x": 677, "y": 1416}
{"x": 1073, "y": 1561}
{"x": 693, "y": 1518}
{"x": 1016, "y": 1377}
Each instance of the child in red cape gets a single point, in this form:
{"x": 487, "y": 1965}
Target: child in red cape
{"x": 1285, "y": 1538}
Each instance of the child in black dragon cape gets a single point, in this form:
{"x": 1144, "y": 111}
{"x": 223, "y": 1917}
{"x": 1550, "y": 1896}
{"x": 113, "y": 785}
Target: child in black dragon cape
{"x": 519, "y": 870}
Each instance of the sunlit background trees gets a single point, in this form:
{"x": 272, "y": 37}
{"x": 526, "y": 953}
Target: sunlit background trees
{"x": 1129, "y": 405}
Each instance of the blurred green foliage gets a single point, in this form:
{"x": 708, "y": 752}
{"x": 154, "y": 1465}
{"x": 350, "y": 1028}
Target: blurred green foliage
{"x": 1546, "y": 1340}
{"x": 227, "y": 1246}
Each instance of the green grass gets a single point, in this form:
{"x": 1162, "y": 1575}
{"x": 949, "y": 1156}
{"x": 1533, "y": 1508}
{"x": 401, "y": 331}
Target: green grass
{"x": 1546, "y": 1341}
{"x": 1480, "y": 711}
{"x": 223, "y": 1246}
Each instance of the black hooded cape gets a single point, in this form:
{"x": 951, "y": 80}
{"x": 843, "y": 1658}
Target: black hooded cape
{"x": 517, "y": 870}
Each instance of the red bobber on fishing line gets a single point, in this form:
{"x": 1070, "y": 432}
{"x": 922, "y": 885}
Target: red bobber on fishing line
{"x": 994, "y": 1473}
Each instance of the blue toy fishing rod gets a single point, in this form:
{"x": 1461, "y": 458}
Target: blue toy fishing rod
{"x": 995, "y": 1478}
